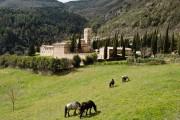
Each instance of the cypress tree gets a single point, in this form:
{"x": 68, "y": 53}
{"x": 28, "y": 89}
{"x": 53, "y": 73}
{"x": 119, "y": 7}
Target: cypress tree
{"x": 134, "y": 44}
{"x": 31, "y": 50}
{"x": 115, "y": 45}
{"x": 154, "y": 43}
{"x": 105, "y": 49}
{"x": 79, "y": 43}
{"x": 160, "y": 44}
{"x": 123, "y": 47}
{"x": 166, "y": 41}
{"x": 144, "y": 40}
{"x": 73, "y": 43}
{"x": 138, "y": 42}
{"x": 172, "y": 48}
{"x": 94, "y": 44}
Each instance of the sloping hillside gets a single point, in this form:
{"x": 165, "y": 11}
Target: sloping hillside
{"x": 27, "y": 23}
{"x": 29, "y": 3}
{"x": 128, "y": 15}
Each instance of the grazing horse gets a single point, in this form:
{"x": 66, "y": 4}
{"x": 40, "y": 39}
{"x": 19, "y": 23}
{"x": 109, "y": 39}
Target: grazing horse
{"x": 85, "y": 106}
{"x": 71, "y": 106}
{"x": 125, "y": 78}
{"x": 111, "y": 84}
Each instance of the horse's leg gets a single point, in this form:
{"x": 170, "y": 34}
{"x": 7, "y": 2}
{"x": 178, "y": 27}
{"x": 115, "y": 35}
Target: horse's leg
{"x": 75, "y": 112}
{"x": 81, "y": 113}
{"x": 68, "y": 113}
{"x": 87, "y": 111}
{"x": 90, "y": 111}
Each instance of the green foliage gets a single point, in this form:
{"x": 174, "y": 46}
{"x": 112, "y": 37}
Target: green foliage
{"x": 21, "y": 28}
{"x": 150, "y": 61}
{"x": 90, "y": 59}
{"x": 105, "y": 47}
{"x": 136, "y": 43}
{"x": 154, "y": 42}
{"x": 123, "y": 47}
{"x": 173, "y": 43}
{"x": 166, "y": 45}
{"x": 79, "y": 43}
{"x": 115, "y": 45}
{"x": 37, "y": 64}
{"x": 31, "y": 50}
{"x": 139, "y": 15}
{"x": 76, "y": 61}
{"x": 73, "y": 43}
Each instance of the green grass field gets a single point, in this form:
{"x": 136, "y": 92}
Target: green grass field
{"x": 152, "y": 94}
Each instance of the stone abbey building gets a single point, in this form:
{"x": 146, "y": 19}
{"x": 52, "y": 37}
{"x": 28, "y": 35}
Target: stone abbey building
{"x": 62, "y": 49}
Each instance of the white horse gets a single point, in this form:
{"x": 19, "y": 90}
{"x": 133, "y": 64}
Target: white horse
{"x": 71, "y": 106}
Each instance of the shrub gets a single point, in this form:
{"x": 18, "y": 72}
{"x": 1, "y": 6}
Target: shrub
{"x": 37, "y": 64}
{"x": 90, "y": 59}
{"x": 76, "y": 61}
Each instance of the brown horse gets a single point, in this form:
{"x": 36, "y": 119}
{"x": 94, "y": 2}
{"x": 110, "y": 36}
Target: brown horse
{"x": 85, "y": 106}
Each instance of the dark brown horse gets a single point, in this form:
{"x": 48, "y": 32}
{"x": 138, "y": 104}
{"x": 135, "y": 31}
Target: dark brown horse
{"x": 85, "y": 106}
{"x": 111, "y": 84}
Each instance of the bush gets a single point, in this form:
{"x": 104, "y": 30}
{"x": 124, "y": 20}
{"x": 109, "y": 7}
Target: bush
{"x": 37, "y": 64}
{"x": 90, "y": 59}
{"x": 76, "y": 61}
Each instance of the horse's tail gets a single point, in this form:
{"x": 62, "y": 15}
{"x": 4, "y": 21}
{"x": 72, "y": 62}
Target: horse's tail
{"x": 65, "y": 111}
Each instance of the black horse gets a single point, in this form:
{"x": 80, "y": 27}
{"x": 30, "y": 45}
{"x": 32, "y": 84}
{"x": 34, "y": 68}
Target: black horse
{"x": 85, "y": 106}
{"x": 111, "y": 84}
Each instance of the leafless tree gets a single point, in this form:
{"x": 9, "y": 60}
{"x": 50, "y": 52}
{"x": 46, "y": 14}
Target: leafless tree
{"x": 12, "y": 97}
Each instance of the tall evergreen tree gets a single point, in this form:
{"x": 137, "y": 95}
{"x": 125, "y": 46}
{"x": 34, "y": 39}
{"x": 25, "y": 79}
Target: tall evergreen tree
{"x": 123, "y": 46}
{"x": 31, "y": 50}
{"x": 144, "y": 40}
{"x": 94, "y": 44}
{"x": 154, "y": 42}
{"x": 172, "y": 48}
{"x": 73, "y": 43}
{"x": 166, "y": 44}
{"x": 115, "y": 45}
{"x": 79, "y": 43}
{"x": 105, "y": 47}
{"x": 159, "y": 44}
{"x": 136, "y": 43}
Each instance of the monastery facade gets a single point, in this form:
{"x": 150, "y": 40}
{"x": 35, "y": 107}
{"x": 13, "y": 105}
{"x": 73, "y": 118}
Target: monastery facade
{"x": 62, "y": 50}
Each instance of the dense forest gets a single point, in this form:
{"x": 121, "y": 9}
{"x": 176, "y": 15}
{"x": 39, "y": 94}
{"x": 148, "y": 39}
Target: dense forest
{"x": 20, "y": 30}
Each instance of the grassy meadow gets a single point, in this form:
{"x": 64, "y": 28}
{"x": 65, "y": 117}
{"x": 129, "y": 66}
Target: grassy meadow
{"x": 152, "y": 94}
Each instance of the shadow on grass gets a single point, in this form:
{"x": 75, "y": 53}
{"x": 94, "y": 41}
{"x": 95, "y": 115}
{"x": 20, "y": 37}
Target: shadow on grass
{"x": 115, "y": 86}
{"x": 91, "y": 115}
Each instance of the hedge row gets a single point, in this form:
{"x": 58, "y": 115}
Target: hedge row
{"x": 150, "y": 61}
{"x": 38, "y": 64}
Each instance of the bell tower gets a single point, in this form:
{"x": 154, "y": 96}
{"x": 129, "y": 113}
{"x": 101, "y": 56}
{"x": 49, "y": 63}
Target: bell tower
{"x": 87, "y": 35}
